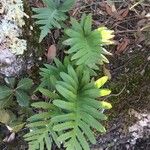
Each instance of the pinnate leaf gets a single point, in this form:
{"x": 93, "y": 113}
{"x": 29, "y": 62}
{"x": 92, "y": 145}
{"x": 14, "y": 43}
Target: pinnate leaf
{"x": 100, "y": 82}
{"x": 104, "y": 92}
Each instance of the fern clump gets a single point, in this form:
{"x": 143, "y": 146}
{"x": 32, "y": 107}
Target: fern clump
{"x": 73, "y": 113}
{"x": 52, "y": 15}
{"x": 81, "y": 109}
{"x": 50, "y": 73}
{"x": 86, "y": 45}
{"x": 72, "y": 108}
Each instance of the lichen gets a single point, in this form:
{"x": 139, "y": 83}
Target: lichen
{"x": 12, "y": 13}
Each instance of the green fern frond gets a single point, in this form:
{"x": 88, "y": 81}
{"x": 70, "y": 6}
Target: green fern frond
{"x": 52, "y": 15}
{"x": 41, "y": 129}
{"x": 73, "y": 114}
{"x": 85, "y": 43}
{"x": 50, "y": 74}
{"x": 81, "y": 110}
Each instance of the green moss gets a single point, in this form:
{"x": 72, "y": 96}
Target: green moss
{"x": 136, "y": 80}
{"x": 31, "y": 35}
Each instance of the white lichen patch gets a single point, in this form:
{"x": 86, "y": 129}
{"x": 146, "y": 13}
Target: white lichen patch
{"x": 18, "y": 43}
{"x": 138, "y": 129}
{"x": 12, "y": 14}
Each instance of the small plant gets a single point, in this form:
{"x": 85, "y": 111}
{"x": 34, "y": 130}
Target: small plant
{"x": 72, "y": 108}
{"x": 20, "y": 91}
{"x": 52, "y": 15}
{"x": 81, "y": 110}
{"x": 50, "y": 74}
{"x": 74, "y": 112}
{"x": 86, "y": 45}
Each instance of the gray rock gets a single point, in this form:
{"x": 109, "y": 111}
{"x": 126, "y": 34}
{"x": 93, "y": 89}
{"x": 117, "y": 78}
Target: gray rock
{"x": 10, "y": 65}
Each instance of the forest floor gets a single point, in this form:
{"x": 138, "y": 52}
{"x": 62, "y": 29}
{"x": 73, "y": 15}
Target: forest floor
{"x": 128, "y": 127}
{"x": 129, "y": 70}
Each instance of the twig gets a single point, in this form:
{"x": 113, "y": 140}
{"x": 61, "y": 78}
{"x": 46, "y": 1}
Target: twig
{"x": 145, "y": 27}
{"x": 115, "y": 95}
{"x": 126, "y": 31}
{"x": 136, "y": 4}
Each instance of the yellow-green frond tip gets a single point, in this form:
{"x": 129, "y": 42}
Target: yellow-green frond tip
{"x": 105, "y": 105}
{"x": 104, "y": 92}
{"x": 101, "y": 81}
{"x": 106, "y": 35}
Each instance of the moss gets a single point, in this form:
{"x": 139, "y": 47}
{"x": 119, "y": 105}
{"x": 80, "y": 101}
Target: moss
{"x": 136, "y": 80}
{"x": 32, "y": 35}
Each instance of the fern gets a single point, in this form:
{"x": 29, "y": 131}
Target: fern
{"x": 52, "y": 15}
{"x": 41, "y": 133}
{"x": 73, "y": 110}
{"x": 50, "y": 73}
{"x": 73, "y": 114}
{"x": 85, "y": 44}
{"x": 82, "y": 111}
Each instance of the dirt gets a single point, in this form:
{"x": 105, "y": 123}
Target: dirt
{"x": 130, "y": 73}
{"x": 130, "y": 82}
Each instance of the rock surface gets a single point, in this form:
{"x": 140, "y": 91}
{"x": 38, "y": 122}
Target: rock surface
{"x": 135, "y": 137}
{"x": 10, "y": 65}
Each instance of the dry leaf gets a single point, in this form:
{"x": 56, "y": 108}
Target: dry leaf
{"x": 141, "y": 23}
{"x": 38, "y": 4}
{"x": 117, "y": 16}
{"x": 143, "y": 13}
{"x": 51, "y": 53}
{"x": 125, "y": 13}
{"x": 103, "y": 5}
{"x": 140, "y": 37}
{"x": 10, "y": 138}
{"x": 106, "y": 72}
{"x": 5, "y": 116}
{"x": 56, "y": 34}
{"x": 112, "y": 5}
{"x": 109, "y": 10}
{"x": 148, "y": 58}
{"x": 122, "y": 46}
{"x": 2, "y": 8}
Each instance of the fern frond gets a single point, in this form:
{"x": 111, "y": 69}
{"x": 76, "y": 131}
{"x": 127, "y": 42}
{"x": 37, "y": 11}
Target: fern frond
{"x": 85, "y": 43}
{"x": 41, "y": 137}
{"x": 50, "y": 74}
{"x": 41, "y": 129}
{"x": 81, "y": 109}
{"x": 73, "y": 114}
{"x": 52, "y": 15}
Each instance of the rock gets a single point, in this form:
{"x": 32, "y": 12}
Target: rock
{"x": 10, "y": 64}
